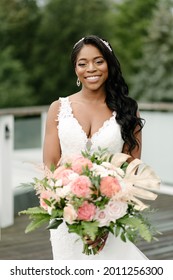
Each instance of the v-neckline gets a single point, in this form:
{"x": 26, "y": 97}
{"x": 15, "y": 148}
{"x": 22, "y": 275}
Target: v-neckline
{"x": 82, "y": 130}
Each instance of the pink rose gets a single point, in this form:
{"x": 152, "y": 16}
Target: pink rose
{"x": 79, "y": 163}
{"x": 69, "y": 214}
{"x": 86, "y": 211}
{"x": 109, "y": 186}
{"x": 57, "y": 172}
{"x": 66, "y": 175}
{"x": 81, "y": 186}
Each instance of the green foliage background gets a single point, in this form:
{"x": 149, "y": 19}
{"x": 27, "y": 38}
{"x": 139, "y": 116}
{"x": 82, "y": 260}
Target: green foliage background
{"x": 36, "y": 42}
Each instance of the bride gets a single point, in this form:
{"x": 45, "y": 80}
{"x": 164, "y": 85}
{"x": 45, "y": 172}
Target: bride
{"x": 102, "y": 115}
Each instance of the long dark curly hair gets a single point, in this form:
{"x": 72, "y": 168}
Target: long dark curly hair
{"x": 117, "y": 98}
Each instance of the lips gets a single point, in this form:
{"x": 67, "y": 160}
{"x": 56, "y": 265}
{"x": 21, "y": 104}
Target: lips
{"x": 92, "y": 78}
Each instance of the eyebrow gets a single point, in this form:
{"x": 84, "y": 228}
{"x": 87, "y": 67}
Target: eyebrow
{"x": 100, "y": 56}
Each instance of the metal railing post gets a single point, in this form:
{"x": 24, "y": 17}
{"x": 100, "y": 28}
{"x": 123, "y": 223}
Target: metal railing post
{"x": 6, "y": 190}
{"x": 43, "y": 123}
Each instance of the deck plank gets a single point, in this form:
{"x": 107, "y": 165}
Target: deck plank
{"x": 16, "y": 245}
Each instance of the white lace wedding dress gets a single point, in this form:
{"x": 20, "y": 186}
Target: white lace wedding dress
{"x": 68, "y": 246}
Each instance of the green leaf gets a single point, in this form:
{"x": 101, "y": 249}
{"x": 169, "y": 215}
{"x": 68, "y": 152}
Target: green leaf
{"x": 90, "y": 229}
{"x": 123, "y": 238}
{"x": 37, "y": 221}
{"x": 138, "y": 225}
{"x": 54, "y": 224}
{"x": 57, "y": 213}
{"x": 117, "y": 230}
{"x": 47, "y": 202}
{"x": 102, "y": 202}
{"x": 75, "y": 228}
{"x": 33, "y": 210}
{"x": 52, "y": 167}
{"x": 95, "y": 180}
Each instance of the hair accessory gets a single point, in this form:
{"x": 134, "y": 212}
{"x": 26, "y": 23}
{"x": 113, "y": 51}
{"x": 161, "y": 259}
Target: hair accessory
{"x": 78, "y": 42}
{"x": 78, "y": 82}
{"x": 106, "y": 44}
{"x": 103, "y": 41}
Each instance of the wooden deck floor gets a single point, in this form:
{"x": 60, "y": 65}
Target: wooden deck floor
{"x": 16, "y": 245}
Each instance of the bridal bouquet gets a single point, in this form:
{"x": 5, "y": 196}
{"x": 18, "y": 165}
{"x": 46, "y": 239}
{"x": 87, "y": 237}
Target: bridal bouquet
{"x": 96, "y": 194}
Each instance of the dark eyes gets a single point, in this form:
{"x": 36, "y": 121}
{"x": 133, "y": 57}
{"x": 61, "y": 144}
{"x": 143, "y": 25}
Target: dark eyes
{"x": 100, "y": 61}
{"x": 81, "y": 64}
{"x": 97, "y": 62}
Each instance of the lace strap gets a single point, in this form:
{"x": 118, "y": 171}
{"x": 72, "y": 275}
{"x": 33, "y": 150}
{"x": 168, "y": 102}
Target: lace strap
{"x": 65, "y": 108}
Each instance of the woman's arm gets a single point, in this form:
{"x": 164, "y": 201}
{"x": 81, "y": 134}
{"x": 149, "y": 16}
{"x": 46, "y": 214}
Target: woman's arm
{"x": 51, "y": 147}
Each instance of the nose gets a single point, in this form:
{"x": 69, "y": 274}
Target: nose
{"x": 91, "y": 67}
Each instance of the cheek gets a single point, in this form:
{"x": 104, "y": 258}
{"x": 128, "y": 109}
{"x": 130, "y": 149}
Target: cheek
{"x": 105, "y": 72}
{"x": 105, "y": 69}
{"x": 79, "y": 71}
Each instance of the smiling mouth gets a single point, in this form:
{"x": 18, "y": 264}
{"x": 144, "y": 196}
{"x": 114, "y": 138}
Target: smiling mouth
{"x": 92, "y": 78}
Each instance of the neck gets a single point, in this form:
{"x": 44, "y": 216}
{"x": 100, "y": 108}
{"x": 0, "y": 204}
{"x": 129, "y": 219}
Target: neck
{"x": 93, "y": 96}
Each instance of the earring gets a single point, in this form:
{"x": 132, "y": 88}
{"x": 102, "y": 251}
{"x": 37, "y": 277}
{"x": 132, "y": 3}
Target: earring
{"x": 78, "y": 82}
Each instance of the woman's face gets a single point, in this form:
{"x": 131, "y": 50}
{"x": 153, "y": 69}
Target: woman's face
{"x": 91, "y": 68}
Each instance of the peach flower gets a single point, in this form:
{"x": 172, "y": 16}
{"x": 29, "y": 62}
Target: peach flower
{"x": 46, "y": 195}
{"x": 86, "y": 211}
{"x": 81, "y": 186}
{"x": 79, "y": 163}
{"x": 109, "y": 186}
{"x": 69, "y": 214}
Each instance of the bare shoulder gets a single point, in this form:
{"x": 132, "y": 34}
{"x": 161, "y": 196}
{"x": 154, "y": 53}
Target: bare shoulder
{"x": 53, "y": 111}
{"x": 54, "y": 107}
{"x": 74, "y": 97}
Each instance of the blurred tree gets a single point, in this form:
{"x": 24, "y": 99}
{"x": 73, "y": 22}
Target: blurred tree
{"x": 129, "y": 22}
{"x": 154, "y": 81}
{"x": 63, "y": 23}
{"x": 14, "y": 90}
{"x": 40, "y": 38}
{"x": 18, "y": 23}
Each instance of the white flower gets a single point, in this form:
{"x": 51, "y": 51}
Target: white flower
{"x": 73, "y": 176}
{"x": 58, "y": 183}
{"x": 102, "y": 217}
{"x": 64, "y": 191}
{"x": 99, "y": 170}
{"x": 116, "y": 209}
{"x": 51, "y": 183}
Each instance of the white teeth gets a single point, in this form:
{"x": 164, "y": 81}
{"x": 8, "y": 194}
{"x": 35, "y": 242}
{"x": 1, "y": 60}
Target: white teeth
{"x": 92, "y": 78}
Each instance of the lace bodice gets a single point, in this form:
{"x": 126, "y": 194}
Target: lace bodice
{"x": 73, "y": 138}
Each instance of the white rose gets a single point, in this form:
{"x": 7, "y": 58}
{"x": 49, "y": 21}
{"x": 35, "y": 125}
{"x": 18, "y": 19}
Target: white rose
{"x": 102, "y": 217}
{"x": 116, "y": 209}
